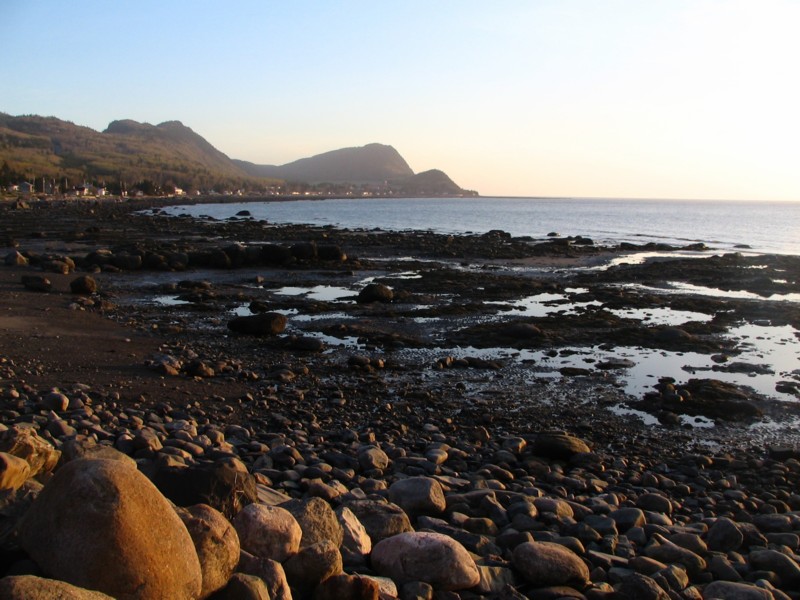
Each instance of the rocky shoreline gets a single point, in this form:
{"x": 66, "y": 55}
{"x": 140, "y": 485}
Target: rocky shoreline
{"x": 238, "y": 410}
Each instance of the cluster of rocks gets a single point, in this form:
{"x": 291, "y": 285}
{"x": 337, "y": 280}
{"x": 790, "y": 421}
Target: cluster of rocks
{"x": 167, "y": 258}
{"x": 100, "y": 500}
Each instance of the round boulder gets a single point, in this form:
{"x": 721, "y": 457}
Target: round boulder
{"x": 102, "y": 525}
{"x": 426, "y": 556}
{"x": 269, "y": 323}
{"x": 85, "y": 284}
{"x": 418, "y": 496}
{"x": 546, "y": 564}
{"x": 317, "y": 521}
{"x": 30, "y": 587}
{"x": 216, "y": 543}
{"x": 268, "y": 531}
{"x": 375, "y": 292}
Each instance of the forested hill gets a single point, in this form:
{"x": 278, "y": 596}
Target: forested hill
{"x": 171, "y": 154}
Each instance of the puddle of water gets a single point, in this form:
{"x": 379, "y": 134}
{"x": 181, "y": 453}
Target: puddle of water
{"x": 244, "y": 311}
{"x": 542, "y": 305}
{"x": 677, "y": 287}
{"x": 166, "y": 300}
{"x": 324, "y": 293}
{"x": 661, "y": 316}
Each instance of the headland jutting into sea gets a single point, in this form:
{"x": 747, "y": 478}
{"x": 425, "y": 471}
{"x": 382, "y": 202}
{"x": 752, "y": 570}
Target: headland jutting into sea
{"x": 367, "y": 413}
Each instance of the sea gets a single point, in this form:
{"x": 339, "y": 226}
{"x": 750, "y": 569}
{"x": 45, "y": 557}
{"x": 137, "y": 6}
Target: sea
{"x": 745, "y": 225}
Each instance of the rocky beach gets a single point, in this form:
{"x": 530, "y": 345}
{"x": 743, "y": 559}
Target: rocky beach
{"x": 200, "y": 408}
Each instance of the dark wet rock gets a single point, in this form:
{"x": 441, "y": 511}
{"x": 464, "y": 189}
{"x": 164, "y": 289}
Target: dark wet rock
{"x": 15, "y": 259}
{"x": 352, "y": 587}
{"x": 243, "y": 587}
{"x": 558, "y": 445}
{"x": 225, "y": 485}
{"x": 305, "y": 343}
{"x": 85, "y": 284}
{"x": 37, "y": 283}
{"x": 264, "y": 324}
{"x": 724, "y": 535}
{"x": 375, "y": 292}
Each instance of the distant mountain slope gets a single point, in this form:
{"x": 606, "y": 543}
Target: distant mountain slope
{"x": 129, "y": 152}
{"x": 373, "y": 163}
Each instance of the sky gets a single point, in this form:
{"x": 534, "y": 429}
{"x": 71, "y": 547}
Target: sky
{"x": 591, "y": 98}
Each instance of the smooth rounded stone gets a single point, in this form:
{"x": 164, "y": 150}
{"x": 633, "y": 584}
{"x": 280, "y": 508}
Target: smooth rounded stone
{"x": 559, "y": 445}
{"x": 690, "y": 541}
{"x": 546, "y": 563}
{"x": 268, "y": 531}
{"x": 14, "y": 471}
{"x": 561, "y": 508}
{"x": 216, "y": 543}
{"x": 418, "y": 496}
{"x": 654, "y": 502}
{"x": 147, "y": 439}
{"x": 372, "y": 457}
{"x": 30, "y": 587}
{"x": 85, "y": 285}
{"x": 628, "y": 517}
{"x": 351, "y": 587}
{"x": 730, "y": 590}
{"x": 665, "y": 551}
{"x": 790, "y": 540}
{"x": 312, "y": 565}
{"x": 426, "y": 556}
{"x": 25, "y": 443}
{"x": 243, "y": 587}
{"x": 724, "y": 535}
{"x": 640, "y": 587}
{"x": 772, "y": 560}
{"x": 774, "y": 523}
{"x": 375, "y": 292}
{"x": 101, "y": 524}
{"x": 316, "y": 519}
{"x": 269, "y": 571}
{"x": 416, "y": 590}
{"x": 37, "y": 283}
{"x": 269, "y": 323}
{"x": 55, "y": 401}
{"x": 381, "y": 519}
{"x": 721, "y": 568}
{"x": 356, "y": 544}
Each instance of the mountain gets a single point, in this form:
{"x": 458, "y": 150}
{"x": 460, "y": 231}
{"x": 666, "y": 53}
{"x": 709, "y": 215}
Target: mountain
{"x": 171, "y": 154}
{"x": 370, "y": 164}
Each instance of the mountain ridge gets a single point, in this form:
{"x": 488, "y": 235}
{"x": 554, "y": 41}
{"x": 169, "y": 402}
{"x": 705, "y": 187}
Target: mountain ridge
{"x": 172, "y": 154}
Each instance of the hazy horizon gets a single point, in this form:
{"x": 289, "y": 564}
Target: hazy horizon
{"x": 558, "y": 98}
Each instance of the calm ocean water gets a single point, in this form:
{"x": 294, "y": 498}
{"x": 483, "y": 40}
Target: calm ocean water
{"x": 772, "y": 227}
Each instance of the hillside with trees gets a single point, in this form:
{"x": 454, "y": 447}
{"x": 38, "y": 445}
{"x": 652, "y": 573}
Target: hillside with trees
{"x": 57, "y": 156}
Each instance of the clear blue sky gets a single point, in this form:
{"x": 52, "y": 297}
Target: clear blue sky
{"x": 687, "y": 99}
